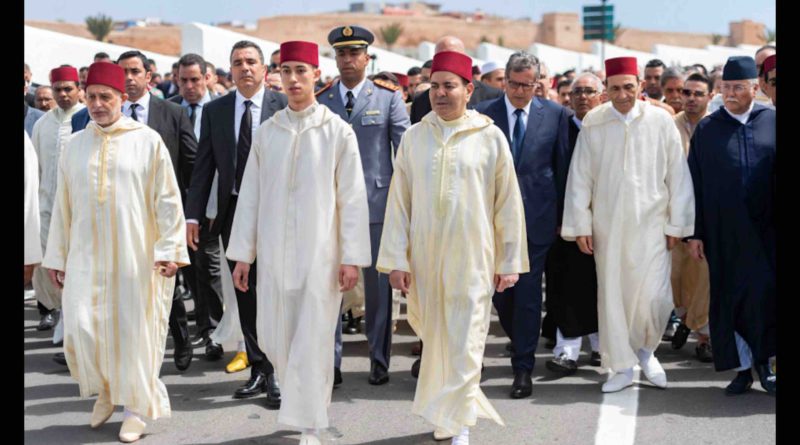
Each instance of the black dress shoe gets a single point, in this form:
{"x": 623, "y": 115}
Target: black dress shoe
{"x": 550, "y": 344}
{"x": 415, "y": 368}
{"x": 353, "y": 326}
{"x": 522, "y": 386}
{"x": 47, "y": 322}
{"x": 562, "y": 365}
{"x": 253, "y": 387}
{"x": 767, "y": 378}
{"x": 595, "y": 359}
{"x": 191, "y": 315}
{"x": 740, "y": 384}
{"x": 681, "y": 335}
{"x": 199, "y": 340}
{"x": 378, "y": 374}
{"x": 183, "y": 356}
{"x": 273, "y": 392}
{"x": 510, "y": 346}
{"x": 59, "y": 358}
{"x": 703, "y": 352}
{"x": 214, "y": 350}
{"x": 337, "y": 377}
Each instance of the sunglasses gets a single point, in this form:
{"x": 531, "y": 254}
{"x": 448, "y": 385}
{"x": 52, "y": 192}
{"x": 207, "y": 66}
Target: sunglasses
{"x": 690, "y": 93}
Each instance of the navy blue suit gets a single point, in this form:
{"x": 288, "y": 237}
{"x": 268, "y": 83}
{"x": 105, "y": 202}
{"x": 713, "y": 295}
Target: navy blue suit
{"x": 542, "y": 166}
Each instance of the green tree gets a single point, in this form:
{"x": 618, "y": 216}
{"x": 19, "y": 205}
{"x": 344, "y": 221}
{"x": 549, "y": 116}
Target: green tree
{"x": 769, "y": 35}
{"x": 716, "y": 39}
{"x": 390, "y": 33}
{"x": 100, "y": 26}
{"x": 616, "y": 32}
{"x": 485, "y": 39}
{"x": 500, "y": 41}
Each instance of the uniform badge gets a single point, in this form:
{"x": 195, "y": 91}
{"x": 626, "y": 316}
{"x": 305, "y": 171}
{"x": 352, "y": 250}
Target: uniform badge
{"x": 347, "y": 31}
{"x": 372, "y": 112}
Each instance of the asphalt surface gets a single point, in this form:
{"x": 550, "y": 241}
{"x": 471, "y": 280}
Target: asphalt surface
{"x": 692, "y": 410}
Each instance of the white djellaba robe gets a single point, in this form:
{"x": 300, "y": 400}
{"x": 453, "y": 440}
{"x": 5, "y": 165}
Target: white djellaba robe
{"x": 454, "y": 219}
{"x": 628, "y": 187}
{"x": 117, "y": 211}
{"x": 302, "y": 212}
{"x": 49, "y": 134}
{"x": 33, "y": 247}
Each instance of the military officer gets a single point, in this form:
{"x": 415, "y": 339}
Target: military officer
{"x": 376, "y": 111}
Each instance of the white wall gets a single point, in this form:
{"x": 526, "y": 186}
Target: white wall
{"x": 45, "y": 50}
{"x": 560, "y": 60}
{"x": 392, "y": 62}
{"x": 493, "y": 53}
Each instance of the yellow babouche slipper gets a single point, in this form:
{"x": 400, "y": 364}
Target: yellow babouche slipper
{"x": 239, "y": 363}
{"x": 102, "y": 411}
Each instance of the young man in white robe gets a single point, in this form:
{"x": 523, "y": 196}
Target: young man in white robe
{"x": 117, "y": 238}
{"x": 302, "y": 212}
{"x": 629, "y": 201}
{"x": 454, "y": 234}
{"x": 49, "y": 134}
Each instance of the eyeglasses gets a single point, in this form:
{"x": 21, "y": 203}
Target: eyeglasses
{"x": 736, "y": 88}
{"x": 516, "y": 85}
{"x": 589, "y": 92}
{"x": 690, "y": 93}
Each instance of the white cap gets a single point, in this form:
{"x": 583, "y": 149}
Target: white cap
{"x": 488, "y": 67}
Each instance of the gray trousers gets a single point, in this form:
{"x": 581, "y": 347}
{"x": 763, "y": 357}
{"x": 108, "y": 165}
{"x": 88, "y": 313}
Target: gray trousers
{"x": 378, "y": 302}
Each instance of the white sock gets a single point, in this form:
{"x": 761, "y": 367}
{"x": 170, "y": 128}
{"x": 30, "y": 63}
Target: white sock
{"x": 463, "y": 438}
{"x": 241, "y": 347}
{"x": 644, "y": 355}
{"x": 628, "y": 372}
{"x": 680, "y": 311}
{"x": 129, "y": 413}
{"x": 58, "y": 332}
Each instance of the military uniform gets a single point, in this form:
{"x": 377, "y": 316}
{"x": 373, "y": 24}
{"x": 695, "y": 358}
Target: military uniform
{"x": 379, "y": 119}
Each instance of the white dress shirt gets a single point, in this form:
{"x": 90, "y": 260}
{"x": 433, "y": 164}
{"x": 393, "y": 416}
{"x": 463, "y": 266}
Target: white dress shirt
{"x": 255, "y": 111}
{"x": 142, "y": 111}
{"x": 356, "y": 91}
{"x": 198, "y": 111}
{"x": 512, "y": 118}
{"x": 744, "y": 116}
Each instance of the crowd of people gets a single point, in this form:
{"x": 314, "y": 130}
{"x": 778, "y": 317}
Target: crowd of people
{"x": 641, "y": 195}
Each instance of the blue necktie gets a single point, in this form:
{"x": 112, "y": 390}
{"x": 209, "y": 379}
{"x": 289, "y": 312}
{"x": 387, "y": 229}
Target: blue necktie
{"x": 519, "y": 135}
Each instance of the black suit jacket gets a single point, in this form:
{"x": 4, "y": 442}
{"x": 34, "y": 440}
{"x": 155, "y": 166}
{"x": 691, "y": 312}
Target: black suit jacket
{"x": 173, "y": 124}
{"x": 542, "y": 165}
{"x": 422, "y": 103}
{"x": 217, "y": 153}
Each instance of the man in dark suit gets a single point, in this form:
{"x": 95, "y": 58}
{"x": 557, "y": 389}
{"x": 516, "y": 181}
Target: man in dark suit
{"x": 170, "y": 87}
{"x": 226, "y": 133}
{"x": 203, "y": 275}
{"x": 422, "y": 103}
{"x": 538, "y": 135}
{"x": 175, "y": 128}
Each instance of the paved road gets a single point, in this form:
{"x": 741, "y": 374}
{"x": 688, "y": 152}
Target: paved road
{"x": 693, "y": 410}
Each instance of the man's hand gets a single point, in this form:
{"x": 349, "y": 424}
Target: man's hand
{"x": 348, "y": 277}
{"x": 166, "y": 269}
{"x": 672, "y": 242}
{"x": 192, "y": 235}
{"x": 57, "y": 277}
{"x": 28, "y": 274}
{"x": 586, "y": 244}
{"x": 696, "y": 249}
{"x": 241, "y": 273}
{"x": 505, "y": 281}
{"x": 400, "y": 280}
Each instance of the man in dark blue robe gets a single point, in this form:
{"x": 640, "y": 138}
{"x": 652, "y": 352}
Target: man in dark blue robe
{"x": 732, "y": 160}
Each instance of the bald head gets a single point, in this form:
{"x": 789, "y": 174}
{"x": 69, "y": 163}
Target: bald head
{"x": 450, "y": 43}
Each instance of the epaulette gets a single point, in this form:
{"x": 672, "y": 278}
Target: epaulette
{"x": 385, "y": 84}
{"x": 323, "y": 89}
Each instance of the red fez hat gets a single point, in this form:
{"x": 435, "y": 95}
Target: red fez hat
{"x": 108, "y": 74}
{"x": 454, "y": 62}
{"x": 299, "y": 51}
{"x": 64, "y": 73}
{"x": 402, "y": 79}
{"x": 769, "y": 63}
{"x": 621, "y": 65}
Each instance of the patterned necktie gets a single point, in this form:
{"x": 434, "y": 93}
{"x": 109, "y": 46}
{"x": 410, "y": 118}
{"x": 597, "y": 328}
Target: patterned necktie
{"x": 193, "y": 113}
{"x": 243, "y": 145}
{"x": 519, "y": 134}
{"x": 350, "y": 102}
{"x": 133, "y": 112}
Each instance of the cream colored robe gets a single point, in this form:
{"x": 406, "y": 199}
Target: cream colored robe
{"x": 629, "y": 186}
{"x": 33, "y": 247}
{"x": 454, "y": 219}
{"x": 302, "y": 212}
{"x": 49, "y": 135}
{"x": 117, "y": 211}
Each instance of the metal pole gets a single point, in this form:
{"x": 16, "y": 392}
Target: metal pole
{"x": 603, "y": 35}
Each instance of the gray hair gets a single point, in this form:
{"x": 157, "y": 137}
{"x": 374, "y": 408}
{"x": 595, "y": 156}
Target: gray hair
{"x": 521, "y": 61}
{"x": 671, "y": 73}
{"x": 597, "y": 82}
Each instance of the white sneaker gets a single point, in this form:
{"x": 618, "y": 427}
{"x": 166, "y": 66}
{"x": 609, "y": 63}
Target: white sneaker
{"x": 654, "y": 372}
{"x": 619, "y": 381}
{"x": 441, "y": 434}
{"x": 461, "y": 439}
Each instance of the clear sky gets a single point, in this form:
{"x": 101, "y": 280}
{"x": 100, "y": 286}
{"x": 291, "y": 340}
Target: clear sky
{"x": 701, "y": 16}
